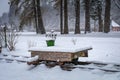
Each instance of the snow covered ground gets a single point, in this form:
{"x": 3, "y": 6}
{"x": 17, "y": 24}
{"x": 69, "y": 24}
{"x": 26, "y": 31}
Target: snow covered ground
{"x": 106, "y": 49}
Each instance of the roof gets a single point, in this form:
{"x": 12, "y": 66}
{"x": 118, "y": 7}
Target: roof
{"x": 114, "y": 24}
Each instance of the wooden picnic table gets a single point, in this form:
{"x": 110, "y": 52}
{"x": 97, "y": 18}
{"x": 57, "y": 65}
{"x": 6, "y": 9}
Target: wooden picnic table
{"x": 59, "y": 54}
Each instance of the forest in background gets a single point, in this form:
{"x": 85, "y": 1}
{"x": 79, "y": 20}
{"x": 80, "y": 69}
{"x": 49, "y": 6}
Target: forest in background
{"x": 50, "y": 11}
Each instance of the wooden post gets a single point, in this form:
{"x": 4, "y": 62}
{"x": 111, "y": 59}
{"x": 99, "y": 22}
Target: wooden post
{"x": 5, "y": 35}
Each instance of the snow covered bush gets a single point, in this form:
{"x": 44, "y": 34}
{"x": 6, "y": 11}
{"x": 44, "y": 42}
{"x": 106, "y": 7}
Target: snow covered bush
{"x": 12, "y": 39}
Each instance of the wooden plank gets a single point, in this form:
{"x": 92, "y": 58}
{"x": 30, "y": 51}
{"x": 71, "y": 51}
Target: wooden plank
{"x": 58, "y": 56}
{"x": 52, "y": 56}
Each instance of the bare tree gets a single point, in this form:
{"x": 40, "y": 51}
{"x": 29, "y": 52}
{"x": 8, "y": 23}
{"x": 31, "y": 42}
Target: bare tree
{"x": 117, "y": 3}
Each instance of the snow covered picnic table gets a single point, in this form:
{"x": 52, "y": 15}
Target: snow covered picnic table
{"x": 59, "y": 53}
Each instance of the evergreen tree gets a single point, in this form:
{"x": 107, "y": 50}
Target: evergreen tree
{"x": 95, "y": 14}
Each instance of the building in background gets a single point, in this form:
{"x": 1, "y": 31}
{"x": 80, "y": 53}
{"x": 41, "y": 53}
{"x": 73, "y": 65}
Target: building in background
{"x": 115, "y": 26}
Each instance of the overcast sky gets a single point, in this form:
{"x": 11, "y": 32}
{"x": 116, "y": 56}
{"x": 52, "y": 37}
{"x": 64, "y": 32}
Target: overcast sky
{"x": 4, "y": 7}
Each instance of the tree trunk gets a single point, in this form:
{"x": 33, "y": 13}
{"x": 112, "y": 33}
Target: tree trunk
{"x": 35, "y": 16}
{"x": 65, "y": 17}
{"x": 87, "y": 16}
{"x": 77, "y": 22}
{"x": 100, "y": 19}
{"x": 107, "y": 16}
{"x": 61, "y": 16}
{"x": 40, "y": 21}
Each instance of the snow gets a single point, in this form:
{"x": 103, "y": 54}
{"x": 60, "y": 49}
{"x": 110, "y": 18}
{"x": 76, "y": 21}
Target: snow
{"x": 105, "y": 49}
{"x": 56, "y": 48}
{"x": 33, "y": 58}
{"x": 114, "y": 24}
{"x": 19, "y": 71}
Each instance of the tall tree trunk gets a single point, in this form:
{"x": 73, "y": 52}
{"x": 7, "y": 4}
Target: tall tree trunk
{"x": 65, "y": 17}
{"x": 35, "y": 16}
{"x": 40, "y": 21}
{"x": 87, "y": 16}
{"x": 77, "y": 22}
{"x": 107, "y": 16}
{"x": 61, "y": 16}
{"x": 100, "y": 19}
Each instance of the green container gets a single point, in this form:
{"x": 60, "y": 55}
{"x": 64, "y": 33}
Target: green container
{"x": 50, "y": 42}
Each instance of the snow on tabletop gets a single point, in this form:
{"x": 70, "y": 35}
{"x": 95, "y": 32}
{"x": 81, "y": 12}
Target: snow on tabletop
{"x": 60, "y": 48}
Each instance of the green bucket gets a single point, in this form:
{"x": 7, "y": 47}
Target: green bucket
{"x": 50, "y": 42}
